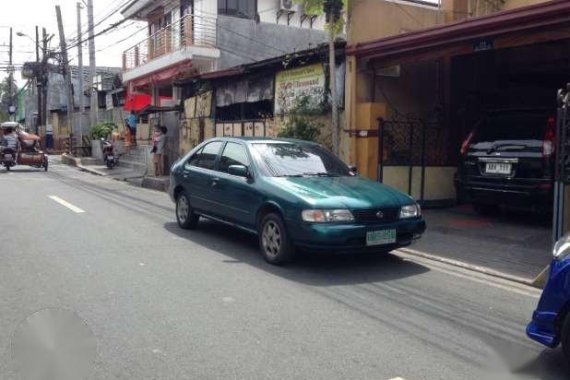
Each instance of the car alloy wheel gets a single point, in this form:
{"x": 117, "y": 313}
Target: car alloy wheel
{"x": 186, "y": 218}
{"x": 274, "y": 241}
{"x": 271, "y": 238}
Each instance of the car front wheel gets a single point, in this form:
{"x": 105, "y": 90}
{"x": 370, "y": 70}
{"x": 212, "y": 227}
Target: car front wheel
{"x": 185, "y": 216}
{"x": 274, "y": 241}
{"x": 565, "y": 338}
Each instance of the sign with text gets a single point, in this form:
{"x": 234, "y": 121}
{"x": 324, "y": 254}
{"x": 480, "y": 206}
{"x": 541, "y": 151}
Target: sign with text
{"x": 290, "y": 85}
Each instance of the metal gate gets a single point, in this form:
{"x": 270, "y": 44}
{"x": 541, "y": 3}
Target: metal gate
{"x": 410, "y": 142}
{"x": 562, "y": 170}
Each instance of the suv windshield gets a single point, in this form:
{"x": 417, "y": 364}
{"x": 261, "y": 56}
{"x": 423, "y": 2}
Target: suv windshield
{"x": 295, "y": 160}
{"x": 510, "y": 128}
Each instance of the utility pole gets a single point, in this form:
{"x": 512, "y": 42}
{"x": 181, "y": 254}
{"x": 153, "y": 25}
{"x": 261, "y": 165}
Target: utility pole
{"x": 66, "y": 73}
{"x": 80, "y": 61}
{"x": 333, "y": 10}
{"x": 44, "y": 77}
{"x": 11, "y": 81}
{"x": 94, "y": 105}
{"x": 38, "y": 79}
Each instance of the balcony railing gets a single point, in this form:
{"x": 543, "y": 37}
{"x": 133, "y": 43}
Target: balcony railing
{"x": 190, "y": 30}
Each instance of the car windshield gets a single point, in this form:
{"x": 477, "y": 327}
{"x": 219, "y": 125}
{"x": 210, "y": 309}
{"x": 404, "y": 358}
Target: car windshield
{"x": 298, "y": 160}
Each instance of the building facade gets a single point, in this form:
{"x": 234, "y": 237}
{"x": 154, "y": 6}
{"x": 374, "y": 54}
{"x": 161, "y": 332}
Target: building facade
{"x": 417, "y": 86}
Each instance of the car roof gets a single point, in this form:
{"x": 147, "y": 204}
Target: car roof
{"x": 253, "y": 139}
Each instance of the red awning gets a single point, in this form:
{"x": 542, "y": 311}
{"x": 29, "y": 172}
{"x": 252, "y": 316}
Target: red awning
{"x": 168, "y": 74}
{"x": 136, "y": 102}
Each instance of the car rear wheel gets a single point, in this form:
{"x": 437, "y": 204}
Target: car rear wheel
{"x": 185, "y": 216}
{"x": 565, "y": 338}
{"x": 274, "y": 241}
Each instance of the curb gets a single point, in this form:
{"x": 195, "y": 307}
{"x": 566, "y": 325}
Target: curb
{"x": 535, "y": 283}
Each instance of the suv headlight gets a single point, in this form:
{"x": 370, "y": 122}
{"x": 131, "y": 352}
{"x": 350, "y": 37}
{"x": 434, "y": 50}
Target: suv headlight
{"x": 561, "y": 249}
{"x": 410, "y": 211}
{"x": 327, "y": 216}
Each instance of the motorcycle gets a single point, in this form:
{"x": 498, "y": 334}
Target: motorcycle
{"x": 8, "y": 158}
{"x": 110, "y": 157}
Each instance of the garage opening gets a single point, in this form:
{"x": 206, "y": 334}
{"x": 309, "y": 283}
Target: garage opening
{"x": 473, "y": 138}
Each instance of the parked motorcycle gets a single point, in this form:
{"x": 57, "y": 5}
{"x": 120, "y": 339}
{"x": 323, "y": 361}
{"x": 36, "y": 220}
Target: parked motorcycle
{"x": 110, "y": 156}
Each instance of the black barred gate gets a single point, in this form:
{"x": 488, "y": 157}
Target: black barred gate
{"x": 411, "y": 144}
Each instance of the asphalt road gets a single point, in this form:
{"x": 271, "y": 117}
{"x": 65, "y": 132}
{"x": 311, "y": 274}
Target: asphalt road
{"x": 164, "y": 303}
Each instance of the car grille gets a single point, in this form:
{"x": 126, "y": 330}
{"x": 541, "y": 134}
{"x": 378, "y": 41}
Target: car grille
{"x": 370, "y": 215}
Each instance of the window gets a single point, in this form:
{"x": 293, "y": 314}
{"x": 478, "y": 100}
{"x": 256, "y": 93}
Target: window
{"x": 241, "y": 8}
{"x": 206, "y": 157}
{"x": 234, "y": 154}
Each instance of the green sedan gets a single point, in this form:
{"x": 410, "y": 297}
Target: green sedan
{"x": 294, "y": 195}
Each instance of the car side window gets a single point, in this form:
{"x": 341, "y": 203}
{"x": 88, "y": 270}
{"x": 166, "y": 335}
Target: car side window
{"x": 193, "y": 161}
{"x": 234, "y": 154}
{"x": 206, "y": 157}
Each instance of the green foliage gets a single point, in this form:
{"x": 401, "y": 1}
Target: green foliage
{"x": 300, "y": 123}
{"x": 102, "y": 130}
{"x": 316, "y": 8}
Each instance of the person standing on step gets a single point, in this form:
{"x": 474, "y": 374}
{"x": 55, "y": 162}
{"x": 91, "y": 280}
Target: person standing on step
{"x": 132, "y": 124}
{"x": 159, "y": 142}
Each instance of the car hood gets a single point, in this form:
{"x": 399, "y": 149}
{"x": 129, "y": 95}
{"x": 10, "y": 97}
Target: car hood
{"x": 341, "y": 192}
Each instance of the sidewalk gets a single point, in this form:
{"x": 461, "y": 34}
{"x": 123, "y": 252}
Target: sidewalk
{"x": 126, "y": 171}
{"x": 517, "y": 245}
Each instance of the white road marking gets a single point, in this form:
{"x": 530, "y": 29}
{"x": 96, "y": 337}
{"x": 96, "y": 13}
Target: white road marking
{"x": 398, "y": 378}
{"x": 66, "y": 204}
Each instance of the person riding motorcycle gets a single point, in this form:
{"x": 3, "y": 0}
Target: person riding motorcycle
{"x": 10, "y": 142}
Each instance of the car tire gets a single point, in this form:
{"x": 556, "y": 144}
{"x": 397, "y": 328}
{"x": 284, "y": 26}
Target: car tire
{"x": 565, "y": 337}
{"x": 274, "y": 242}
{"x": 185, "y": 216}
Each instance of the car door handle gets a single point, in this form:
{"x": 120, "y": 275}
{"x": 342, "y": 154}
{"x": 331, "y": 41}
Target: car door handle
{"x": 215, "y": 181}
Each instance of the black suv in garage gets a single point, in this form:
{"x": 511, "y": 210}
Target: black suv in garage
{"x": 508, "y": 160}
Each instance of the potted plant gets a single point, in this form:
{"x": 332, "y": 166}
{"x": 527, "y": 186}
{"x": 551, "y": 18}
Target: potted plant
{"x": 100, "y": 131}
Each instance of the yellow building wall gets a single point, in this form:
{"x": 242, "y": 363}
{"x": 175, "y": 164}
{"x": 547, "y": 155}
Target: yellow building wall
{"x": 373, "y": 19}
{"x": 438, "y": 182}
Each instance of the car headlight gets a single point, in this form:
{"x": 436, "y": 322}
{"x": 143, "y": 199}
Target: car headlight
{"x": 410, "y": 211}
{"x": 561, "y": 249}
{"x": 327, "y": 216}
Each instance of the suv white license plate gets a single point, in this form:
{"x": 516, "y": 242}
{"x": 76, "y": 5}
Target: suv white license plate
{"x": 497, "y": 168}
{"x": 380, "y": 237}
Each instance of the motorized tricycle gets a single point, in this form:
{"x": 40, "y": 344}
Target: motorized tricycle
{"x": 27, "y": 151}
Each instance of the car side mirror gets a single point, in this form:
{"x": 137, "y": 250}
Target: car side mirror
{"x": 353, "y": 169}
{"x": 238, "y": 170}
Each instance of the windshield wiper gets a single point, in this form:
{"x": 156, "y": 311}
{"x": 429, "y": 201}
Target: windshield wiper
{"x": 501, "y": 146}
{"x": 320, "y": 174}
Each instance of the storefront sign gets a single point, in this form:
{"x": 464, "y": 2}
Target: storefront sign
{"x": 306, "y": 81}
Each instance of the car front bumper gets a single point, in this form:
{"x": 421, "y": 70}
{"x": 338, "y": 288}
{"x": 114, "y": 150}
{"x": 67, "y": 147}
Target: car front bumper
{"x": 351, "y": 238}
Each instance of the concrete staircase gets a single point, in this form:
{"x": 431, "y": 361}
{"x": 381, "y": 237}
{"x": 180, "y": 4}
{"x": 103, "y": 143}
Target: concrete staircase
{"x": 137, "y": 157}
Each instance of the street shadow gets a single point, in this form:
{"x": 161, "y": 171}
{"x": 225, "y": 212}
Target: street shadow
{"x": 548, "y": 365}
{"x": 308, "y": 268}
